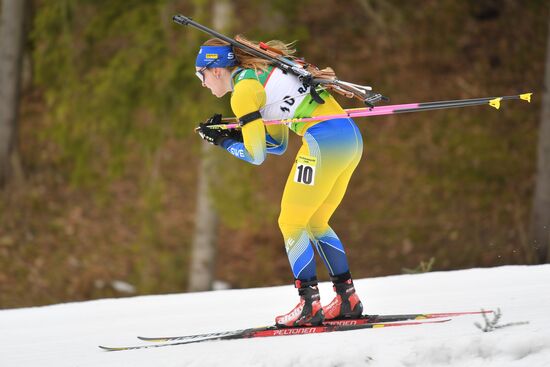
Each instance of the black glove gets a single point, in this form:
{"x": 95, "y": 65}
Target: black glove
{"x": 213, "y": 136}
{"x": 235, "y": 134}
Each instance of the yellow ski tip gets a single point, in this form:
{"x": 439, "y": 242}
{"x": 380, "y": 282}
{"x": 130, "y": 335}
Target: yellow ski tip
{"x": 526, "y": 97}
{"x": 495, "y": 103}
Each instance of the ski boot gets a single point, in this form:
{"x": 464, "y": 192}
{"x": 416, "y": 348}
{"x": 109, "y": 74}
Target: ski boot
{"x": 346, "y": 304}
{"x": 308, "y": 312}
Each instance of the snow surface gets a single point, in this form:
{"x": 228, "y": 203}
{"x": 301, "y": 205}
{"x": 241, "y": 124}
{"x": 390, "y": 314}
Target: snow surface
{"x": 68, "y": 334}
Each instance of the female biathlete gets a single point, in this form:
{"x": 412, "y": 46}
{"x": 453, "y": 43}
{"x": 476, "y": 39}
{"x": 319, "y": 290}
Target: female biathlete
{"x": 319, "y": 176}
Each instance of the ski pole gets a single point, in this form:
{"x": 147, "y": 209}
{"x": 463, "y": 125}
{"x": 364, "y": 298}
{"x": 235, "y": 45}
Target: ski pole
{"x": 393, "y": 109}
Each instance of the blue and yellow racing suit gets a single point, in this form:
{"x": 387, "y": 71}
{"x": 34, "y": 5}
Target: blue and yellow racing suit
{"x": 322, "y": 169}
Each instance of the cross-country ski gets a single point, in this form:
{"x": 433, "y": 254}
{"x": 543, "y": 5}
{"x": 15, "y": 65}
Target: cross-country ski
{"x": 273, "y": 331}
{"x": 365, "y": 319}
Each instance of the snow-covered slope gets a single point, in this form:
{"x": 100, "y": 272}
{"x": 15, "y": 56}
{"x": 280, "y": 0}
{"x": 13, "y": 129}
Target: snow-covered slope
{"x": 68, "y": 334}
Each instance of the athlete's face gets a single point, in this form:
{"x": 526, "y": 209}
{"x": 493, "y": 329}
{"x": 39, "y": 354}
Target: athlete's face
{"x": 218, "y": 80}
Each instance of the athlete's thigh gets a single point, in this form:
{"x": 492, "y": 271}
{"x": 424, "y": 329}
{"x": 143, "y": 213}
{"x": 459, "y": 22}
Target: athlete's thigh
{"x": 321, "y": 217}
{"x": 307, "y": 187}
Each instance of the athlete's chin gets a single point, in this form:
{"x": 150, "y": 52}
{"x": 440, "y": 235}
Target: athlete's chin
{"x": 219, "y": 94}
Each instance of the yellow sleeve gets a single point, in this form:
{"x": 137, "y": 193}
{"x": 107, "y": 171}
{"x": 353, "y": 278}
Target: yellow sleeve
{"x": 249, "y": 96}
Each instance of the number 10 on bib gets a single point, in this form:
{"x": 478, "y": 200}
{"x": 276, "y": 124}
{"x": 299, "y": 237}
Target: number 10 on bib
{"x": 305, "y": 170}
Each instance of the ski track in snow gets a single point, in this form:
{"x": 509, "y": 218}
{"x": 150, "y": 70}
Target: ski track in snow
{"x": 68, "y": 334}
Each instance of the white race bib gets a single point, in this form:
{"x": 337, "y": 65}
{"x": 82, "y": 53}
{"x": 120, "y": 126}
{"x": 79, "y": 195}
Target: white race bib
{"x": 305, "y": 170}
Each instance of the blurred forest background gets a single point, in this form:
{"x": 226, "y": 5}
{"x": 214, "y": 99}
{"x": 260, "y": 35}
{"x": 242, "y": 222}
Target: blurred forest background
{"x": 107, "y": 191}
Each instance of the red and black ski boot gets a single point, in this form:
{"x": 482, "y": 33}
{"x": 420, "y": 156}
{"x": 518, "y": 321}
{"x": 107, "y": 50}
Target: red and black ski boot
{"x": 308, "y": 312}
{"x": 346, "y": 304}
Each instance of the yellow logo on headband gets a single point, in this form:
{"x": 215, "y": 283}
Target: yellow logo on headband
{"x": 211, "y": 56}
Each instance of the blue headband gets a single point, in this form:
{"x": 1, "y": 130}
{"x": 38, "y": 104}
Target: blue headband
{"x": 216, "y": 57}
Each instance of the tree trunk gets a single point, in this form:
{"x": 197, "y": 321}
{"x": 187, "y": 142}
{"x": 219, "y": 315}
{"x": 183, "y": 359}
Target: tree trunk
{"x": 12, "y": 36}
{"x": 204, "y": 242}
{"x": 203, "y": 256}
{"x": 540, "y": 230}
